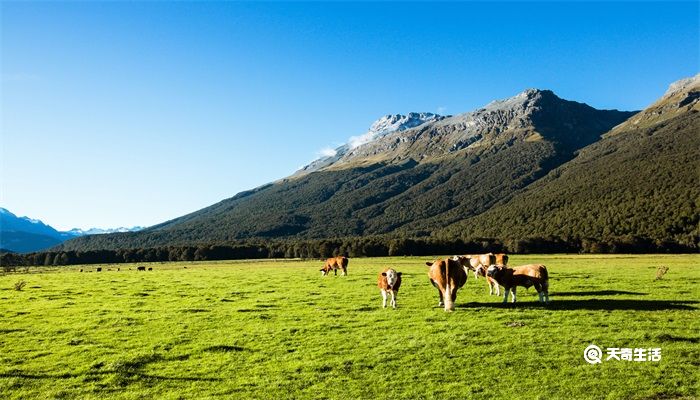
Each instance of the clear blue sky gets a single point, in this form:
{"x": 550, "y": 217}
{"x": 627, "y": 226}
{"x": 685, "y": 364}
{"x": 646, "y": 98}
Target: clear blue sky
{"x": 128, "y": 113}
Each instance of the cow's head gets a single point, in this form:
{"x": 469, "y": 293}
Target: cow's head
{"x": 494, "y": 270}
{"x": 391, "y": 277}
{"x": 464, "y": 261}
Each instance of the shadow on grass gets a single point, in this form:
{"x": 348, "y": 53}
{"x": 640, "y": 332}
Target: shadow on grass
{"x": 133, "y": 376}
{"x": 598, "y": 293}
{"x": 126, "y": 371}
{"x": 595, "y": 304}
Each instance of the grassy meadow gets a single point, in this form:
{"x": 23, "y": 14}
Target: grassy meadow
{"x": 277, "y": 329}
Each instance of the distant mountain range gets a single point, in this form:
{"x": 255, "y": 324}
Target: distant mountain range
{"x": 24, "y": 234}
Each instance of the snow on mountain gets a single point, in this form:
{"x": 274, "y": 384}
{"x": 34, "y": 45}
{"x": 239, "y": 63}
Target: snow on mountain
{"x": 24, "y": 234}
{"x": 383, "y": 126}
{"x": 99, "y": 231}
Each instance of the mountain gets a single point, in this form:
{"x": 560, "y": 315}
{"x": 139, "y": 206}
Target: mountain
{"x": 24, "y": 234}
{"x": 400, "y": 180}
{"x": 639, "y": 182}
{"x": 380, "y": 128}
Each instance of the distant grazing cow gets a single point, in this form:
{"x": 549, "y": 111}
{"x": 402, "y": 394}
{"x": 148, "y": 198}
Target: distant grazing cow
{"x": 335, "y": 263}
{"x": 389, "y": 282}
{"x": 117, "y": 269}
{"x": 150, "y": 268}
{"x": 81, "y": 270}
{"x": 141, "y": 268}
{"x": 527, "y": 275}
{"x": 447, "y": 276}
{"x": 99, "y": 269}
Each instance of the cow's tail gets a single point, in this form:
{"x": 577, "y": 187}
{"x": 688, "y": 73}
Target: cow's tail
{"x": 449, "y": 305}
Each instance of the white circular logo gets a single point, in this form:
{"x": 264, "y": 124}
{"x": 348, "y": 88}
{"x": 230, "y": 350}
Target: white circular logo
{"x": 593, "y": 354}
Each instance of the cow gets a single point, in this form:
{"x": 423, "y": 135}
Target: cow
{"x": 335, "y": 263}
{"x": 447, "y": 276}
{"x": 99, "y": 269}
{"x": 389, "y": 281}
{"x": 81, "y": 270}
{"x": 141, "y": 268}
{"x": 480, "y": 263}
{"x": 150, "y": 268}
{"x": 526, "y": 275}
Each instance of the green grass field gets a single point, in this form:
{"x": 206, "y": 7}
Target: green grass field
{"x": 277, "y": 329}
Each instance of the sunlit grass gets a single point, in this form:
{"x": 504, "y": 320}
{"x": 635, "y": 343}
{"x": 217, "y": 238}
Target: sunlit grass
{"x": 277, "y": 329}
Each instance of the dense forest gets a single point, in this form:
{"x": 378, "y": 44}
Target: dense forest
{"x": 639, "y": 182}
{"x": 374, "y": 246}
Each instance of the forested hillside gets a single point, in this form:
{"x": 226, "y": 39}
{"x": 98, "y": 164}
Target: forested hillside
{"x": 409, "y": 183}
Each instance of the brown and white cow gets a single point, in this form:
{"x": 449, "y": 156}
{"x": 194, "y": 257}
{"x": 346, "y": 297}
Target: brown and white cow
{"x": 447, "y": 276}
{"x": 389, "y": 282}
{"x": 526, "y": 275}
{"x": 480, "y": 263}
{"x": 335, "y": 263}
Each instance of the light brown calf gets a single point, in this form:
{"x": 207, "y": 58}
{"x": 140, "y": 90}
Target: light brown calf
{"x": 335, "y": 263}
{"x": 527, "y": 275}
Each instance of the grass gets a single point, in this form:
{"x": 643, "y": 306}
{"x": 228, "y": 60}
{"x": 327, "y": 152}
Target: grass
{"x": 277, "y": 329}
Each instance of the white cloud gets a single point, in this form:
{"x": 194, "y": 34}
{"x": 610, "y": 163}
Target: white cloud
{"x": 441, "y": 110}
{"x": 356, "y": 141}
{"x": 327, "y": 152}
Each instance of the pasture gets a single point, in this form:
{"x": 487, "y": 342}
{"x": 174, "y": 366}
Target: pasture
{"x": 278, "y": 329}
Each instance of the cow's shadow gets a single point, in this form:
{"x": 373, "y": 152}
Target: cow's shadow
{"x": 593, "y": 304}
{"x": 597, "y": 293}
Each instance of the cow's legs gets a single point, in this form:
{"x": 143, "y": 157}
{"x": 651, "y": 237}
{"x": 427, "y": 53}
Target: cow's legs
{"x": 505, "y": 296}
{"x": 497, "y": 286}
{"x": 540, "y": 292}
{"x": 393, "y": 299}
{"x": 545, "y": 289}
{"x": 432, "y": 282}
{"x": 384, "y": 297}
{"x": 513, "y": 293}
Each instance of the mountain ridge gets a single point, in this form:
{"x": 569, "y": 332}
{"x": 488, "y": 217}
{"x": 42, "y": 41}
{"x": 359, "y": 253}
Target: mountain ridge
{"x": 406, "y": 182}
{"x": 24, "y": 234}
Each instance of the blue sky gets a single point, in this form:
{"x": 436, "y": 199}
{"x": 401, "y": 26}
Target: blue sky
{"x": 129, "y": 113}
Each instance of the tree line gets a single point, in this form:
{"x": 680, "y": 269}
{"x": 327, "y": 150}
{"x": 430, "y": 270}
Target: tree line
{"x": 375, "y": 246}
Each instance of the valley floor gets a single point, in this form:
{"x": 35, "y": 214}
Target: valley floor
{"x": 277, "y": 329}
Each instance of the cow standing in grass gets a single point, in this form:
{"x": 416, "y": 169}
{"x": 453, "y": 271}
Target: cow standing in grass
{"x": 389, "y": 282}
{"x": 527, "y": 275}
{"x": 447, "y": 276}
{"x": 480, "y": 263}
{"x": 335, "y": 263}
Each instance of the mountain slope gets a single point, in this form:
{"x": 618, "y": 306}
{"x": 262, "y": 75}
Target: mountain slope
{"x": 640, "y": 180}
{"x": 24, "y": 235}
{"x": 402, "y": 182}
